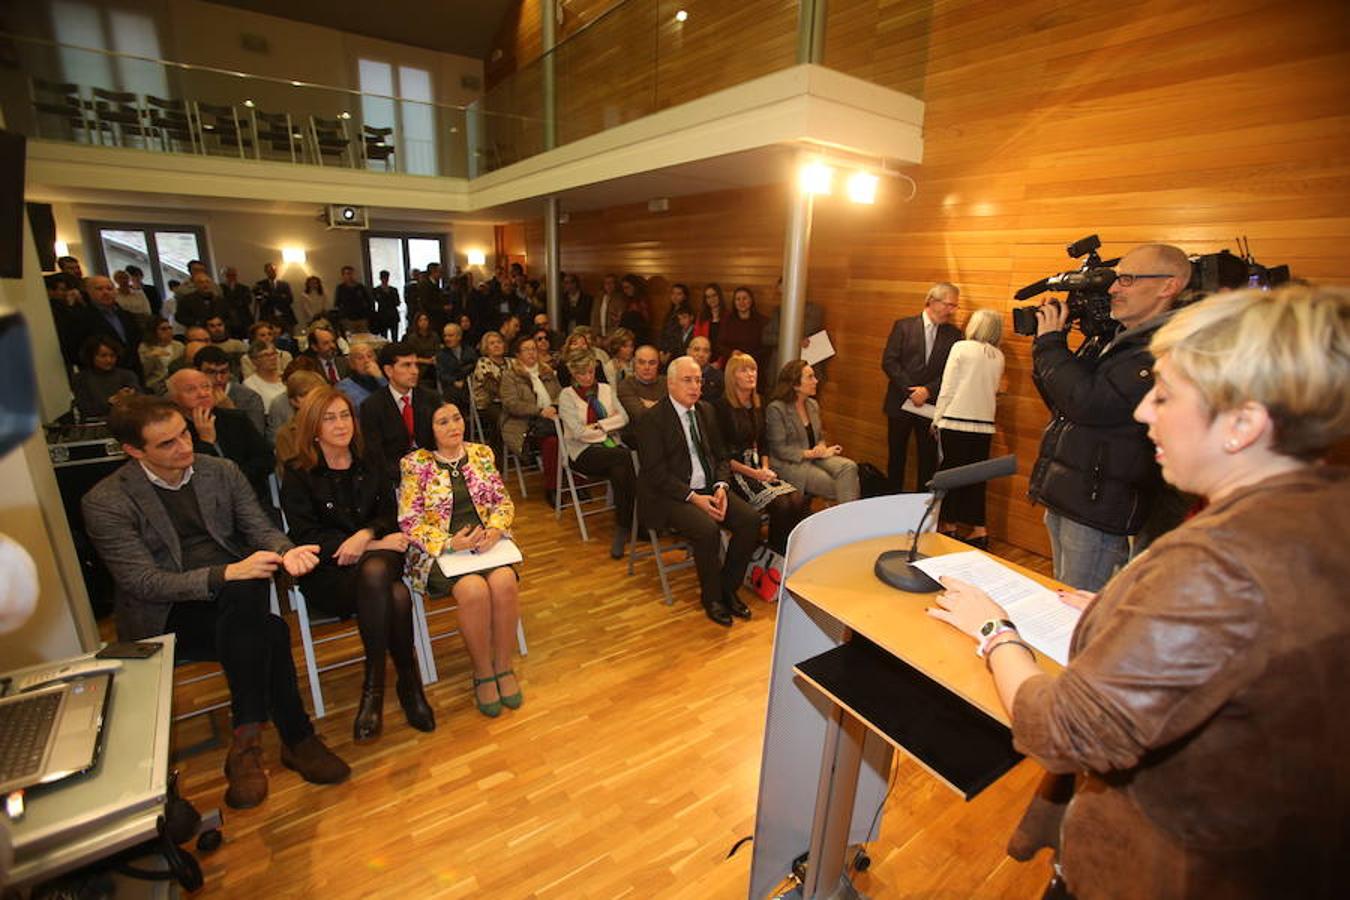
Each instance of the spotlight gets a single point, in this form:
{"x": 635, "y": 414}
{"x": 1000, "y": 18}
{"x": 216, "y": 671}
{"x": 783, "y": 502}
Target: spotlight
{"x": 249, "y": 103}
{"x": 293, "y": 256}
{"x": 862, "y": 187}
{"x": 62, "y": 248}
{"x": 815, "y": 178}
{"x": 348, "y": 213}
{"x": 477, "y": 258}
{"x": 681, "y": 15}
{"x": 344, "y": 115}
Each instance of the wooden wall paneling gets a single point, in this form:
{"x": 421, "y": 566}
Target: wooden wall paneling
{"x": 1146, "y": 122}
{"x": 721, "y": 44}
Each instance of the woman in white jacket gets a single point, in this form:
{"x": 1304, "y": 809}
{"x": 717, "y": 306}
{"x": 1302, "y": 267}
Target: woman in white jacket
{"x": 964, "y": 419}
{"x": 592, "y": 418}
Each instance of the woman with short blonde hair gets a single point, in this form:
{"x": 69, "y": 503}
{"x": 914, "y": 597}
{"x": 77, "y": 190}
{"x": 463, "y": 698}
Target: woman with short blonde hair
{"x": 1200, "y": 719}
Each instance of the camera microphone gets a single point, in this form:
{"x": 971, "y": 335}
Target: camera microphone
{"x": 1031, "y": 290}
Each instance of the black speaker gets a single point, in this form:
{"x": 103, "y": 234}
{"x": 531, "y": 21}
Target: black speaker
{"x": 11, "y": 204}
{"x": 43, "y": 225}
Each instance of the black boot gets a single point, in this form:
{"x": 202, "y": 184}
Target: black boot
{"x": 414, "y": 702}
{"x": 370, "y": 714}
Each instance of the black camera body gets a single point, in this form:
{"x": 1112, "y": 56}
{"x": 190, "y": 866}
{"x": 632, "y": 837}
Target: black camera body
{"x": 1088, "y": 290}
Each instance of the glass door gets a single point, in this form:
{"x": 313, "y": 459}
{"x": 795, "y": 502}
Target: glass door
{"x": 162, "y": 252}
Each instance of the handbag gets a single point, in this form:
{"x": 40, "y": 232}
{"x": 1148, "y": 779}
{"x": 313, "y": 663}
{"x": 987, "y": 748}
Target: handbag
{"x": 765, "y": 573}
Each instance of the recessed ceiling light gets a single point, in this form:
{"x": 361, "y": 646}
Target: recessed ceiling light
{"x": 681, "y": 15}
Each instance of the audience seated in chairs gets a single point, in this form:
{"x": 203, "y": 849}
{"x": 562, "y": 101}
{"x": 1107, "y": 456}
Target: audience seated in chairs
{"x": 797, "y": 447}
{"x": 455, "y": 362}
{"x": 529, "y": 393}
{"x": 452, "y": 499}
{"x": 487, "y": 373}
{"x": 267, "y": 332}
{"x": 700, "y": 351}
{"x": 101, "y": 384}
{"x": 581, "y": 340}
{"x": 218, "y": 431}
{"x": 397, "y": 419}
{"x": 363, "y": 373}
{"x": 333, "y": 500}
{"x": 323, "y": 349}
{"x": 202, "y": 571}
{"x": 592, "y": 418}
{"x": 740, "y": 420}
{"x": 285, "y": 439}
{"x": 281, "y": 409}
{"x": 684, "y": 487}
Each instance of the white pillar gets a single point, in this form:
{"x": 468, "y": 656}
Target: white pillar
{"x": 796, "y": 255}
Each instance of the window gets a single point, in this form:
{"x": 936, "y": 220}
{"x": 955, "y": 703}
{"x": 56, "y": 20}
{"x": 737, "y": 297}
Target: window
{"x": 83, "y": 24}
{"x": 400, "y": 253}
{"x": 161, "y": 251}
{"x": 412, "y": 116}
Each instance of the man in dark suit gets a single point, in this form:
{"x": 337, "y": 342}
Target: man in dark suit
{"x": 201, "y": 304}
{"x": 576, "y": 305}
{"x": 323, "y": 349}
{"x": 273, "y": 298}
{"x": 192, "y": 554}
{"x": 102, "y": 315}
{"x": 355, "y": 306}
{"x": 238, "y": 303}
{"x": 916, "y": 353}
{"x": 684, "y": 487}
{"x": 397, "y": 419}
{"x": 216, "y": 431}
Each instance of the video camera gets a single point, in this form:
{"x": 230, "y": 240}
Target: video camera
{"x": 1088, "y": 299}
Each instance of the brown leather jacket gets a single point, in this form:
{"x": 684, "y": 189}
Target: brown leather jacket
{"x": 1201, "y": 709}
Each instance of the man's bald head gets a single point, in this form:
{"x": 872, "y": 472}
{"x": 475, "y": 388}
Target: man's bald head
{"x": 101, "y": 290}
{"x": 190, "y": 389}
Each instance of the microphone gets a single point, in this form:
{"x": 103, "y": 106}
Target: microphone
{"x": 1032, "y": 289}
{"x": 896, "y": 567}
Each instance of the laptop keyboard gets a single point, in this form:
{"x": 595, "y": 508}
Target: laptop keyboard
{"x": 24, "y": 727}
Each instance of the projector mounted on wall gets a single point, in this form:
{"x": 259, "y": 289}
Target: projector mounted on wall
{"x": 341, "y": 215}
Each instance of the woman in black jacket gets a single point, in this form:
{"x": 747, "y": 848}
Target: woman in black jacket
{"x": 331, "y": 498}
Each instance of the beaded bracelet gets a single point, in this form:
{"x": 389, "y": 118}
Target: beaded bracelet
{"x": 988, "y": 656}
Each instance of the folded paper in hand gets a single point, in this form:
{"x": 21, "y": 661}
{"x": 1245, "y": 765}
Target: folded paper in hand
{"x": 462, "y": 562}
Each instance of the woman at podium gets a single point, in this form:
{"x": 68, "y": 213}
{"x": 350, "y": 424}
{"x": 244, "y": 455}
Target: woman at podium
{"x": 1197, "y": 729}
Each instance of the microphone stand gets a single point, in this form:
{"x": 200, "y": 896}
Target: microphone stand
{"x": 896, "y": 567}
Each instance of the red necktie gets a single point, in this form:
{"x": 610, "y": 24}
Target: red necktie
{"x": 408, "y": 416}
{"x": 332, "y": 372}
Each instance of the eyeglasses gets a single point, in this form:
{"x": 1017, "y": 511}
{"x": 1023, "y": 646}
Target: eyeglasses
{"x": 1126, "y": 279}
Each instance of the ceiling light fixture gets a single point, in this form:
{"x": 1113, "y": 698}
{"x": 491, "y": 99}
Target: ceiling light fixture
{"x": 681, "y": 15}
{"x": 815, "y": 178}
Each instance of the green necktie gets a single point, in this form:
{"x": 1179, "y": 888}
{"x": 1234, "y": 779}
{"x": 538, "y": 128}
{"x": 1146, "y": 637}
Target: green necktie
{"x": 697, "y": 438}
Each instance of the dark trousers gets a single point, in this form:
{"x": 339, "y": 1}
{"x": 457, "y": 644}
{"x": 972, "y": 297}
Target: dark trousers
{"x": 898, "y": 430}
{"x": 253, "y": 647}
{"x": 716, "y": 576}
{"x": 616, "y": 464}
{"x": 959, "y": 448}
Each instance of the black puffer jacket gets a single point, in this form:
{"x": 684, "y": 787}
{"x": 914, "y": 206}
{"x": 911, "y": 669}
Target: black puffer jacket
{"x": 1096, "y": 463}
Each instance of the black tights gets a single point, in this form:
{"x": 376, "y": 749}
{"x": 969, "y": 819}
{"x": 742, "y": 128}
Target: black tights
{"x": 384, "y": 612}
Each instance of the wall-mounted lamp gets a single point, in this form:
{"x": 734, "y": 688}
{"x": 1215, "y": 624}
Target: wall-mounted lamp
{"x": 862, "y": 187}
{"x": 815, "y": 178}
{"x": 293, "y": 256}
{"x": 62, "y": 248}
{"x": 477, "y": 258}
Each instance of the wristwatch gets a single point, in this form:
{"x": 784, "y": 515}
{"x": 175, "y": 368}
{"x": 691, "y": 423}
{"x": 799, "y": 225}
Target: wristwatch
{"x": 990, "y": 630}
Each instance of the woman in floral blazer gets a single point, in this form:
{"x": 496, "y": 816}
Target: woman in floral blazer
{"x": 452, "y": 499}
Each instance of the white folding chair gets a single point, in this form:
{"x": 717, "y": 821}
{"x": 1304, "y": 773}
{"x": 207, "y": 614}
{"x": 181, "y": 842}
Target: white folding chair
{"x": 423, "y": 638}
{"x": 570, "y": 481}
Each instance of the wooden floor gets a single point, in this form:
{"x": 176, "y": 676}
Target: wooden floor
{"x": 630, "y": 771}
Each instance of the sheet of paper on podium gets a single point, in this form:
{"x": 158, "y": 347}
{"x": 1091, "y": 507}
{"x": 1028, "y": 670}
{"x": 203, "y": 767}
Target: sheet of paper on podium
{"x": 1043, "y": 620}
{"x": 503, "y": 553}
{"x": 818, "y": 349}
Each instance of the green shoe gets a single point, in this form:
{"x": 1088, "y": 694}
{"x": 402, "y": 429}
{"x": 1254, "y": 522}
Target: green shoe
{"x": 515, "y": 700}
{"x": 491, "y": 710}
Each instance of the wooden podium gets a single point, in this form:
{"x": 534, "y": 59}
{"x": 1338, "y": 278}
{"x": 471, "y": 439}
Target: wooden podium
{"x": 860, "y": 670}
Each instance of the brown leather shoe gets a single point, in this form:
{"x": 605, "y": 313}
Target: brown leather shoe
{"x": 244, "y": 772}
{"x": 315, "y": 762}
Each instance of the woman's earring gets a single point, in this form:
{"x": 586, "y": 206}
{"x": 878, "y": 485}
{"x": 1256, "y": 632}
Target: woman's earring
{"x": 1230, "y": 445}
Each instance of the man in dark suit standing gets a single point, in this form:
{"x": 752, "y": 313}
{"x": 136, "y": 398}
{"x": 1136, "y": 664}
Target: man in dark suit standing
{"x": 576, "y": 305}
{"x": 103, "y": 316}
{"x": 274, "y": 298}
{"x": 684, "y": 487}
{"x": 397, "y": 419}
{"x": 916, "y": 353}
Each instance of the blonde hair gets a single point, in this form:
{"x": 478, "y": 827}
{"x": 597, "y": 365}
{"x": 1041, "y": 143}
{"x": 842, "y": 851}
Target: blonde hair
{"x": 734, "y": 365}
{"x": 579, "y": 360}
{"x": 1288, "y": 350}
{"x": 985, "y": 326}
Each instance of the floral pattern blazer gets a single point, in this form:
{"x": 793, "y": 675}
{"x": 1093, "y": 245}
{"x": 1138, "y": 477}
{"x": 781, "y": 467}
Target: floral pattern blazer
{"x": 425, "y": 504}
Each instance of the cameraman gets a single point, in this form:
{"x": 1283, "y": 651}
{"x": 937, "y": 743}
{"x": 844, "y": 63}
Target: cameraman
{"x": 1096, "y": 474}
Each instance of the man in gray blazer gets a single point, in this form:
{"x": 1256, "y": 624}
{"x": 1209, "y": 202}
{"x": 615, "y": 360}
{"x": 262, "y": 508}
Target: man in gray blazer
{"x": 192, "y": 553}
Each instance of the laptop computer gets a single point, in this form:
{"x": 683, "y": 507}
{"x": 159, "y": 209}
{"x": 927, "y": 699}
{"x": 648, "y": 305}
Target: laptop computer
{"x": 52, "y": 732}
